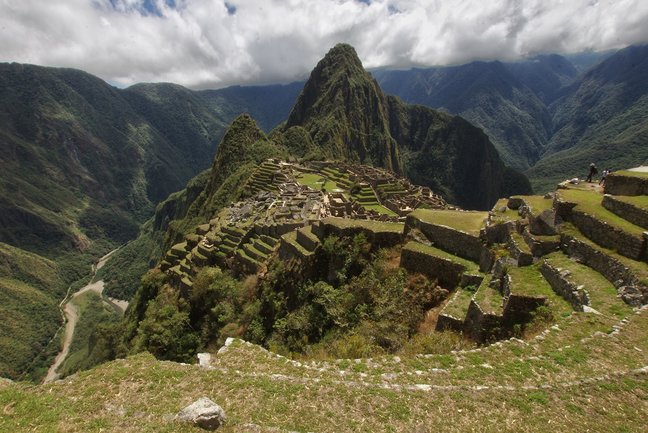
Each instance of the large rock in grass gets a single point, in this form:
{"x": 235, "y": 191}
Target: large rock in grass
{"x": 203, "y": 413}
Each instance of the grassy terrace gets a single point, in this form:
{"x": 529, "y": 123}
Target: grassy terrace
{"x": 520, "y": 242}
{"x": 379, "y": 208}
{"x": 537, "y": 203}
{"x": 640, "y": 201}
{"x": 507, "y": 215}
{"x": 466, "y": 221}
{"x": 590, "y": 202}
{"x": 642, "y": 174}
{"x": 640, "y": 269}
{"x": 436, "y": 252}
{"x": 603, "y": 295}
{"x": 374, "y": 226}
{"x": 458, "y": 305}
{"x": 528, "y": 281}
{"x": 489, "y": 298}
{"x": 291, "y": 238}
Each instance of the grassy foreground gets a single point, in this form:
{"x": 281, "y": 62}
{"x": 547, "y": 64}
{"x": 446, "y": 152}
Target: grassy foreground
{"x": 586, "y": 374}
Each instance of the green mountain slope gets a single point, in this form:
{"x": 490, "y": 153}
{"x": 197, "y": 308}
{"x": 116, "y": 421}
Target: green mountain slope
{"x": 84, "y": 160}
{"x": 488, "y": 95}
{"x": 268, "y": 105}
{"x": 30, "y": 289}
{"x": 602, "y": 119}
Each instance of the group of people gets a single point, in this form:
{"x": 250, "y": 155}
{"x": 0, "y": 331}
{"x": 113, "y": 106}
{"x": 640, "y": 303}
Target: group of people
{"x": 593, "y": 171}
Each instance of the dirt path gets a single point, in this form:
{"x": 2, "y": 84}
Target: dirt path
{"x": 71, "y": 315}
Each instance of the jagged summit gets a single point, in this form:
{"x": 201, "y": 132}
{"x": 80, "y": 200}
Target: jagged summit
{"x": 344, "y": 110}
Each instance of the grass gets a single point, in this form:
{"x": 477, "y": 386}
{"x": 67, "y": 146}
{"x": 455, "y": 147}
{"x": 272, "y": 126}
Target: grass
{"x": 513, "y": 387}
{"x": 640, "y": 201}
{"x": 489, "y": 298}
{"x": 507, "y": 215}
{"x": 436, "y": 252}
{"x": 603, "y": 294}
{"x": 466, "y": 221}
{"x": 457, "y": 307}
{"x": 641, "y": 174}
{"x": 537, "y": 203}
{"x": 590, "y": 202}
{"x": 374, "y": 226}
{"x": 311, "y": 180}
{"x": 380, "y": 209}
{"x": 528, "y": 281}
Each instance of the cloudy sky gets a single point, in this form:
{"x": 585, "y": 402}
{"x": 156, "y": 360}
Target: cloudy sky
{"x": 214, "y": 43}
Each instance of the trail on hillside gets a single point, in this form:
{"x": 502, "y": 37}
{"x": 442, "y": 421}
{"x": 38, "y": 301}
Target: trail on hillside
{"x": 71, "y": 315}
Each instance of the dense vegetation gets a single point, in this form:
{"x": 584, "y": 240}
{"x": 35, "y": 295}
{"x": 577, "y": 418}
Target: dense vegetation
{"x": 359, "y": 304}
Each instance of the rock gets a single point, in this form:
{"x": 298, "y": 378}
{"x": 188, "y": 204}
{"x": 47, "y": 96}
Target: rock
{"x": 204, "y": 359}
{"x": 203, "y": 413}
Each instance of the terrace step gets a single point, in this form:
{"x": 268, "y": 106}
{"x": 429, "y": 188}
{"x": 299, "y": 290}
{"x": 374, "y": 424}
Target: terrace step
{"x": 519, "y": 249}
{"x": 524, "y": 290}
{"x": 307, "y": 239}
{"x": 457, "y": 232}
{"x": 450, "y": 270}
{"x": 602, "y": 226}
{"x": 630, "y": 277}
{"x": 582, "y": 286}
{"x": 453, "y": 315}
{"x": 632, "y": 209}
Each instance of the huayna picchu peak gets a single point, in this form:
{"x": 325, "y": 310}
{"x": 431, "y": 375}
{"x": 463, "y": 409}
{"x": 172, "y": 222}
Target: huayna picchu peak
{"x": 349, "y": 117}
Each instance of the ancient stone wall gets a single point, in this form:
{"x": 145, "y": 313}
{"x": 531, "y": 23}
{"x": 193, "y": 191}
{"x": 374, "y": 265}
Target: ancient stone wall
{"x": 557, "y": 279}
{"x": 480, "y": 326}
{"x": 518, "y": 309}
{"x": 498, "y": 233}
{"x": 626, "y": 211}
{"x": 626, "y": 185}
{"x": 541, "y": 246}
{"x": 449, "y": 239}
{"x": 448, "y": 272}
{"x": 632, "y": 291}
{"x": 608, "y": 236}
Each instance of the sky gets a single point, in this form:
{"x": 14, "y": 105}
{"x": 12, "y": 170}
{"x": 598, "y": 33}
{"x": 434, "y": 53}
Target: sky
{"x": 214, "y": 43}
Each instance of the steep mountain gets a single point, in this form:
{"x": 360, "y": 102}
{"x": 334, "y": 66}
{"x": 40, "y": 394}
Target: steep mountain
{"x": 485, "y": 93}
{"x": 602, "y": 119}
{"x": 349, "y": 117}
{"x": 545, "y": 75}
{"x": 345, "y": 111}
{"x": 84, "y": 160}
{"x": 268, "y": 105}
{"x": 83, "y": 165}
{"x": 31, "y": 288}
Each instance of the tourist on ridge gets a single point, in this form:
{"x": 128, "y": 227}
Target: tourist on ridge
{"x": 604, "y": 175}
{"x": 592, "y": 171}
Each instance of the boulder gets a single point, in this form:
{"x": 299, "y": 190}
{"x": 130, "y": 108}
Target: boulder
{"x": 203, "y": 413}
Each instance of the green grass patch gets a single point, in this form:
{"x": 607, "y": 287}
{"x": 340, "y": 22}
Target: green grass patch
{"x": 457, "y": 307}
{"x": 590, "y": 202}
{"x": 603, "y": 294}
{"x": 528, "y": 281}
{"x": 436, "y": 252}
{"x": 466, "y": 221}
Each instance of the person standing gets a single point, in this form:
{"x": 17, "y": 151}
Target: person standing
{"x": 604, "y": 175}
{"x": 592, "y": 171}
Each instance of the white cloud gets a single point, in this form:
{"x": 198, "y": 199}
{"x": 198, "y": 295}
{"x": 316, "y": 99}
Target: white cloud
{"x": 200, "y": 43}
